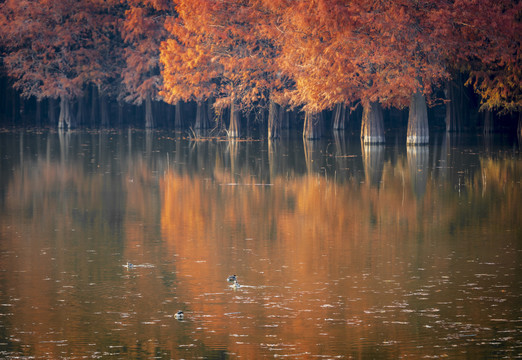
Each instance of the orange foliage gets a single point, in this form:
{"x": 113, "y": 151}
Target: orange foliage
{"x": 220, "y": 49}
{"x": 142, "y": 31}
{"x": 55, "y": 48}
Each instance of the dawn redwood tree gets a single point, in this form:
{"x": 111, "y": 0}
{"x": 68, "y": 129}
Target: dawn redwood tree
{"x": 221, "y": 50}
{"x": 370, "y": 51}
{"x": 53, "y": 49}
{"x": 482, "y": 40}
{"x": 143, "y": 31}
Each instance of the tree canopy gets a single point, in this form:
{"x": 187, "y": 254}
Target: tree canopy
{"x": 310, "y": 54}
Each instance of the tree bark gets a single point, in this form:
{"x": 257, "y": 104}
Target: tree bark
{"x": 104, "y": 110}
{"x": 372, "y": 127}
{"x": 38, "y": 114}
{"x": 120, "y": 113}
{"x": 80, "y": 114}
{"x": 312, "y": 126}
{"x": 51, "y": 111}
{"x": 178, "y": 120}
{"x": 274, "y": 121}
{"x": 418, "y": 130}
{"x": 94, "y": 105}
{"x": 340, "y": 118}
{"x": 457, "y": 103}
{"x": 149, "y": 119}
{"x": 65, "y": 119}
{"x": 488, "y": 122}
{"x": 201, "y": 116}
{"x": 235, "y": 116}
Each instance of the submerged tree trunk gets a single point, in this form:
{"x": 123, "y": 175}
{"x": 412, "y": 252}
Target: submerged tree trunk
{"x": 210, "y": 112}
{"x": 120, "y": 113}
{"x": 418, "y": 131}
{"x": 488, "y": 122}
{"x": 178, "y": 120}
{"x": 38, "y": 114}
{"x": 312, "y": 126}
{"x": 104, "y": 111}
{"x": 51, "y": 111}
{"x": 235, "y": 116}
{"x": 201, "y": 116}
{"x": 372, "y": 127}
{"x": 149, "y": 119}
{"x": 94, "y": 105}
{"x": 274, "y": 120}
{"x": 65, "y": 119}
{"x": 80, "y": 113}
{"x": 340, "y": 117}
{"x": 457, "y": 104}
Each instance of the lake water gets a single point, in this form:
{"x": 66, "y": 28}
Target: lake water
{"x": 341, "y": 251}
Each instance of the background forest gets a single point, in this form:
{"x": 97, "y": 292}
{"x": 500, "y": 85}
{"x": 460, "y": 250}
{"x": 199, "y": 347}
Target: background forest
{"x": 364, "y": 65}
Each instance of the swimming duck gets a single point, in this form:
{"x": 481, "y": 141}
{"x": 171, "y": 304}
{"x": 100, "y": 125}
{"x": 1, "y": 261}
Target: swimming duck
{"x": 235, "y": 285}
{"x": 232, "y": 278}
{"x": 128, "y": 265}
{"x": 179, "y": 315}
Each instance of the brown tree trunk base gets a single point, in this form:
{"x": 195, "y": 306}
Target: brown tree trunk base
{"x": 340, "y": 117}
{"x": 312, "y": 126}
{"x": 149, "y": 120}
{"x": 372, "y": 128}
{"x": 274, "y": 121}
{"x": 235, "y": 116}
{"x": 418, "y": 130}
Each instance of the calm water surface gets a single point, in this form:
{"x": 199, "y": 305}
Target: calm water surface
{"x": 341, "y": 251}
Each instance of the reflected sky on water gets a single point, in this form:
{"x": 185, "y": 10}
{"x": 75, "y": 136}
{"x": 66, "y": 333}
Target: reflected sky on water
{"x": 340, "y": 250}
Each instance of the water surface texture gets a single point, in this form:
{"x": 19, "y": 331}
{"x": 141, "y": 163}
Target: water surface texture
{"x": 341, "y": 251}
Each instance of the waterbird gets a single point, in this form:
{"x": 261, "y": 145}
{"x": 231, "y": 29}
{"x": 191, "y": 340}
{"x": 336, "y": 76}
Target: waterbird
{"x": 235, "y": 285}
{"x": 179, "y": 315}
{"x": 128, "y": 265}
{"x": 232, "y": 278}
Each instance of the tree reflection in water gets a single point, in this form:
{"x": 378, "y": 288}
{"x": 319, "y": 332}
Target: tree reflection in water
{"x": 341, "y": 249}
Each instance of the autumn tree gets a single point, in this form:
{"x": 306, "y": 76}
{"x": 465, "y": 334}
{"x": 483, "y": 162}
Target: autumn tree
{"x": 488, "y": 48}
{"x": 53, "y": 49}
{"x": 220, "y": 50}
{"x": 143, "y": 31}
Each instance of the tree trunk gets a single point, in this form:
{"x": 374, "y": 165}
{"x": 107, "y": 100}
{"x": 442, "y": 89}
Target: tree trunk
{"x": 458, "y": 102}
{"x": 235, "y": 116}
{"x": 340, "y": 117}
{"x": 372, "y": 127}
{"x": 210, "y": 112}
{"x": 178, "y": 120}
{"x": 94, "y": 105}
{"x": 38, "y": 114}
{"x": 488, "y": 122}
{"x": 120, "y": 113}
{"x": 201, "y": 116}
{"x": 80, "y": 114}
{"x": 104, "y": 110}
{"x": 284, "y": 117}
{"x": 65, "y": 119}
{"x": 418, "y": 131}
{"x": 312, "y": 126}
{"x": 51, "y": 111}
{"x": 274, "y": 120}
{"x": 149, "y": 120}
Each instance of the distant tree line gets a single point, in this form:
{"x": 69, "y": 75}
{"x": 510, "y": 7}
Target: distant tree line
{"x": 279, "y": 63}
